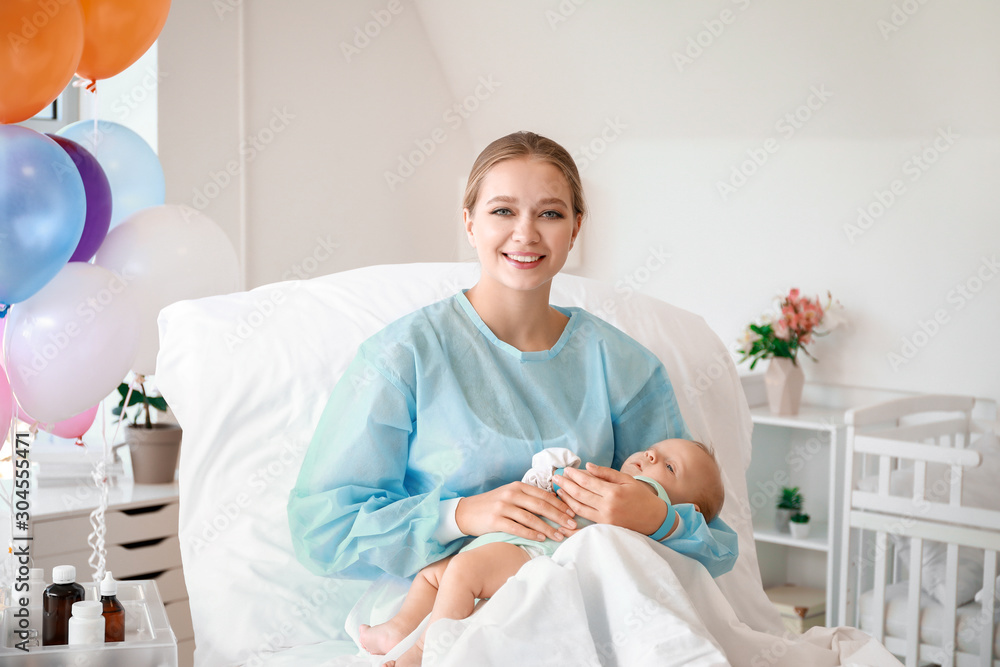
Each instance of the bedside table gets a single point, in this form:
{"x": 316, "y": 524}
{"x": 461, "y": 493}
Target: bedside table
{"x": 141, "y": 541}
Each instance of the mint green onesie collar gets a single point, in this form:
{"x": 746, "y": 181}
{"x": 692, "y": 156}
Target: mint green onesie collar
{"x": 660, "y": 491}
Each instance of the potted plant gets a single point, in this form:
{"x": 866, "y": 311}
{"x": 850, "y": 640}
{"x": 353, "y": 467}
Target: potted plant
{"x": 799, "y": 525}
{"x": 790, "y": 503}
{"x": 154, "y": 447}
{"x": 779, "y": 338}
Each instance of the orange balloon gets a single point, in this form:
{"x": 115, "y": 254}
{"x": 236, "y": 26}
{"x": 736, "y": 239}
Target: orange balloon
{"x": 117, "y": 32}
{"x": 40, "y": 46}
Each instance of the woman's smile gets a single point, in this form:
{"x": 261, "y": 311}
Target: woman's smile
{"x": 523, "y": 261}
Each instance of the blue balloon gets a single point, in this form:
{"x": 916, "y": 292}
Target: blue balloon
{"x": 42, "y": 210}
{"x": 132, "y": 168}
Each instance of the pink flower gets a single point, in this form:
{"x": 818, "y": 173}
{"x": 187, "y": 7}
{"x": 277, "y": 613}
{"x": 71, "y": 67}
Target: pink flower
{"x": 781, "y": 330}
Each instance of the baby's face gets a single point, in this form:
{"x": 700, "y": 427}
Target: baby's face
{"x": 681, "y": 466}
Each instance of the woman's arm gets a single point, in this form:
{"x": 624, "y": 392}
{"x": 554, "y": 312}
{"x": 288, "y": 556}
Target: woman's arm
{"x": 350, "y": 507}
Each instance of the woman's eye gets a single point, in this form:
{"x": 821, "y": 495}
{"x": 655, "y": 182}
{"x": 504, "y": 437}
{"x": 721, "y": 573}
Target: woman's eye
{"x": 552, "y": 214}
{"x": 501, "y": 211}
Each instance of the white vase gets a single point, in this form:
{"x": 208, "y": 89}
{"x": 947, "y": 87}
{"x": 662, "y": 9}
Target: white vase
{"x": 784, "y": 381}
{"x": 800, "y": 531}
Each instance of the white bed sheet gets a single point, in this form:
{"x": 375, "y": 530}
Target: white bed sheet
{"x": 609, "y": 597}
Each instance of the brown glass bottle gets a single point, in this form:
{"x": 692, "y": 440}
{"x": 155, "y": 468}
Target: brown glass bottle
{"x": 114, "y": 612}
{"x": 114, "y": 619}
{"x": 57, "y": 605}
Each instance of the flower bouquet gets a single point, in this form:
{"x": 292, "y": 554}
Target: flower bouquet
{"x": 780, "y": 338}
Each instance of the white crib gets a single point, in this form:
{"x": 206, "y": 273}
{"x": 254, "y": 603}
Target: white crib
{"x": 904, "y": 442}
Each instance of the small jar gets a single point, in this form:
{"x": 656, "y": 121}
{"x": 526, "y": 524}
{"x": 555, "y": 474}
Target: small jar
{"x": 86, "y": 626}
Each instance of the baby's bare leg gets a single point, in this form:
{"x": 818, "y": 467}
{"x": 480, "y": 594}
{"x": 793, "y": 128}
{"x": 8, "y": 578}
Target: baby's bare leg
{"x": 380, "y": 639}
{"x": 471, "y": 575}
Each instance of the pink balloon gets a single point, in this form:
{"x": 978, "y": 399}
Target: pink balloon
{"x": 74, "y": 427}
{"x": 6, "y": 408}
{"x": 70, "y": 344}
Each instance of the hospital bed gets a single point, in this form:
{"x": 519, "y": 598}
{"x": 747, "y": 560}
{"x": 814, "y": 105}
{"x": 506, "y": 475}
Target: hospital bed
{"x": 247, "y": 376}
{"x": 922, "y": 523}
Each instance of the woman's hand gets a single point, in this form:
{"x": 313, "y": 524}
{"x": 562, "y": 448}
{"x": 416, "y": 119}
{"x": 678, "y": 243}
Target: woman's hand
{"x": 604, "y": 495}
{"x": 514, "y": 508}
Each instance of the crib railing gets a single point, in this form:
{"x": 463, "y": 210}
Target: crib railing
{"x": 888, "y": 437}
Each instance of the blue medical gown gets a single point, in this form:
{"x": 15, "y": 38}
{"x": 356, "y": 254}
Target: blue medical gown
{"x": 436, "y": 407}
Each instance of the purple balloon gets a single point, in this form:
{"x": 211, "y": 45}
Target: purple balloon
{"x": 98, "y": 193}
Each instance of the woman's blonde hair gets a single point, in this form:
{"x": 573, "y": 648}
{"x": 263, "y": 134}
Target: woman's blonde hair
{"x": 525, "y": 145}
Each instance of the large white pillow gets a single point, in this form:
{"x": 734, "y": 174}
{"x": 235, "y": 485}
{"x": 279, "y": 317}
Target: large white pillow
{"x": 979, "y": 489}
{"x": 248, "y": 375}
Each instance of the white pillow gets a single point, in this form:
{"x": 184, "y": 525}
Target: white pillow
{"x": 248, "y": 375}
{"x": 978, "y": 490}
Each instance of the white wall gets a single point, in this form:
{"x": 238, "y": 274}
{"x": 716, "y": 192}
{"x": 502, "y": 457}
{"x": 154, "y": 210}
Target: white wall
{"x": 607, "y": 75}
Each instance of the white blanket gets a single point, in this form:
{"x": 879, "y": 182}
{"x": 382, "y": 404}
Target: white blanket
{"x": 610, "y": 596}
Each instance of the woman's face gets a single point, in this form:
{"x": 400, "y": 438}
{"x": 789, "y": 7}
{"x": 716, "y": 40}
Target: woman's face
{"x": 523, "y": 225}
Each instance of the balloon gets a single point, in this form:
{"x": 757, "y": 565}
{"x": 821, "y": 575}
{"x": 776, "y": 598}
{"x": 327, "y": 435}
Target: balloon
{"x": 6, "y": 406}
{"x": 74, "y": 427}
{"x": 98, "y": 193}
{"x": 42, "y": 210}
{"x": 168, "y": 253}
{"x": 71, "y": 344}
{"x": 117, "y": 33}
{"x": 41, "y": 48}
{"x": 132, "y": 168}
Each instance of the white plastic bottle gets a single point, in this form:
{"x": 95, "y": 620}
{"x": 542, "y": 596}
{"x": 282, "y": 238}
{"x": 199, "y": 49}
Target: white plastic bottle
{"x": 86, "y": 626}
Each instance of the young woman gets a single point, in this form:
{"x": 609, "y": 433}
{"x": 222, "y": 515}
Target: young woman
{"x": 430, "y": 428}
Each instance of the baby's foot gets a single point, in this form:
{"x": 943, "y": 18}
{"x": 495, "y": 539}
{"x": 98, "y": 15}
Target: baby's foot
{"x": 412, "y": 658}
{"x": 380, "y": 639}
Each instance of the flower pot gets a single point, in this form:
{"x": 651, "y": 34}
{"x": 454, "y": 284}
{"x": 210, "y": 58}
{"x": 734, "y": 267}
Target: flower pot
{"x": 781, "y": 519}
{"x": 154, "y": 452}
{"x": 784, "y": 381}
{"x": 800, "y": 531}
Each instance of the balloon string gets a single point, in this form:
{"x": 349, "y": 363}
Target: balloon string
{"x": 98, "y": 535}
{"x": 84, "y": 83}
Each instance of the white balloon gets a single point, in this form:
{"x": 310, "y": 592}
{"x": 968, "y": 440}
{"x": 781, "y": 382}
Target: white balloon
{"x": 71, "y": 343}
{"x": 167, "y": 254}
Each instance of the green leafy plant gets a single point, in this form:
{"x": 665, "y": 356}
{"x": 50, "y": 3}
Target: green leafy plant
{"x": 799, "y": 517}
{"x": 147, "y": 405}
{"x": 791, "y": 499}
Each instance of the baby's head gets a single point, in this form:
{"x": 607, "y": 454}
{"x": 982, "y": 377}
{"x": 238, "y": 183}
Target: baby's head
{"x": 687, "y": 470}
